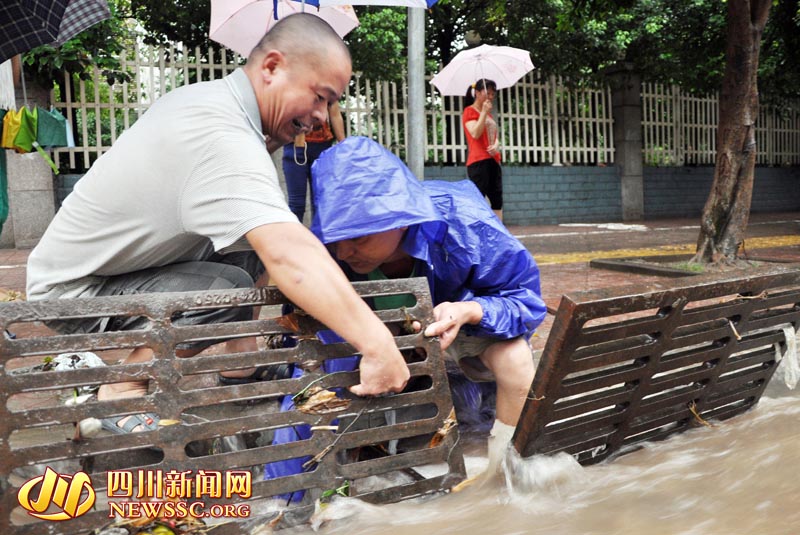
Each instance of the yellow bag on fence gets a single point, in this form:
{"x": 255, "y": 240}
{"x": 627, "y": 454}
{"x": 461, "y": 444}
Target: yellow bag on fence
{"x": 11, "y": 124}
{"x": 19, "y": 130}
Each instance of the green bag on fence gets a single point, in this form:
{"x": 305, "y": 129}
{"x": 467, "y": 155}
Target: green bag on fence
{"x": 51, "y": 131}
{"x": 52, "y": 128}
{"x": 26, "y": 135}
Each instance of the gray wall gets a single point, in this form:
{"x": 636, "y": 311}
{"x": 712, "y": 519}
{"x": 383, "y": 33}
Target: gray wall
{"x": 547, "y": 195}
{"x": 31, "y": 200}
{"x": 682, "y": 191}
{"x": 31, "y": 203}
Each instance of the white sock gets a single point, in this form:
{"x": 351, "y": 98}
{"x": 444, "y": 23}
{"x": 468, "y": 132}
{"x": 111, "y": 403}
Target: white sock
{"x": 499, "y": 429}
{"x": 499, "y": 441}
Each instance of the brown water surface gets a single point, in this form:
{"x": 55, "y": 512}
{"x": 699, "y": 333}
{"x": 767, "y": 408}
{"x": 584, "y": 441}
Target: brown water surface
{"x": 741, "y": 477}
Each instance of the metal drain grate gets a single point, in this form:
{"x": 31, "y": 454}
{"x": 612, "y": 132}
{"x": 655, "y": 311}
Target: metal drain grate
{"x": 625, "y": 365}
{"x": 213, "y": 431}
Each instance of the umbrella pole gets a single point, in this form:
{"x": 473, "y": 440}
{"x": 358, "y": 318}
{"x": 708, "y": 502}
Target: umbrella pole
{"x": 483, "y": 76}
{"x": 417, "y": 132}
{"x": 22, "y": 79}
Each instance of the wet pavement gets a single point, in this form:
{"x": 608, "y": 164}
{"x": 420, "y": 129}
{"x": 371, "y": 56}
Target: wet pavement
{"x": 563, "y": 252}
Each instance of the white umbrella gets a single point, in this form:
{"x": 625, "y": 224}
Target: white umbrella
{"x": 240, "y": 24}
{"x": 504, "y": 65}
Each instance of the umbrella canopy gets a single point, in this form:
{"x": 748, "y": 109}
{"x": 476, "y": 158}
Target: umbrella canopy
{"x": 80, "y": 15}
{"x": 26, "y": 24}
{"x": 240, "y": 24}
{"x": 504, "y": 65}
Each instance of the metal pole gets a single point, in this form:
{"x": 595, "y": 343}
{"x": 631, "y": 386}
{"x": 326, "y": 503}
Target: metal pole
{"x": 415, "y": 118}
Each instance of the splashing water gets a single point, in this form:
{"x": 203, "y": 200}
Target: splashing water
{"x": 737, "y": 478}
{"x": 555, "y": 475}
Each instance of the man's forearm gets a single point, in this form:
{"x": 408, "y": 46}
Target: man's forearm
{"x": 309, "y": 277}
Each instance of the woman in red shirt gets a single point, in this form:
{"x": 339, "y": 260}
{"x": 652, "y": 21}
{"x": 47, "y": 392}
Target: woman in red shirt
{"x": 483, "y": 147}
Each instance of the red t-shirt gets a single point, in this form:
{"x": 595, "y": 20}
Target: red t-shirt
{"x": 476, "y": 148}
{"x": 320, "y": 133}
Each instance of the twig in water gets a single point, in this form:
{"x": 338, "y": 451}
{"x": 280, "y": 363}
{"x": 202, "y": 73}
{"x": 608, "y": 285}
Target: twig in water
{"x": 700, "y": 419}
{"x": 321, "y": 455}
{"x": 735, "y": 332}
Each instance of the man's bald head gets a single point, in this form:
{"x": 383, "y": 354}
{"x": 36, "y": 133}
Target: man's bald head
{"x": 298, "y": 69}
{"x": 303, "y": 36}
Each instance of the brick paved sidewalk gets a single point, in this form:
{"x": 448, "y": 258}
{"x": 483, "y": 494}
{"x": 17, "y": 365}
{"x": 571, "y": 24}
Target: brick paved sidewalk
{"x": 12, "y": 269}
{"x": 564, "y": 251}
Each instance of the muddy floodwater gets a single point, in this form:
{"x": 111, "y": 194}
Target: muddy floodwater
{"x": 740, "y": 477}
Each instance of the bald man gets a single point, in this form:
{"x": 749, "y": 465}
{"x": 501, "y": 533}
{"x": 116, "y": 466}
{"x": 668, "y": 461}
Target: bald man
{"x": 188, "y": 199}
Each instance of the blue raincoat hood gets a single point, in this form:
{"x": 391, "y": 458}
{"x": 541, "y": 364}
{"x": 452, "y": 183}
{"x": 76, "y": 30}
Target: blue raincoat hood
{"x": 360, "y": 188}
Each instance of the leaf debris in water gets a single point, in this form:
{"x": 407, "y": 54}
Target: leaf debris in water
{"x": 449, "y": 423}
{"x": 318, "y": 400}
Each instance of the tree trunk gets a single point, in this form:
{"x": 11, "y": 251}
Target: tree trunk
{"x": 726, "y": 212}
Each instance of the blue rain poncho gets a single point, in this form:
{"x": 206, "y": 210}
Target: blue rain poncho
{"x": 466, "y": 253}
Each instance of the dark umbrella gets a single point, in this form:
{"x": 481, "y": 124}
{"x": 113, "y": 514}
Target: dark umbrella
{"x": 26, "y": 24}
{"x": 80, "y": 15}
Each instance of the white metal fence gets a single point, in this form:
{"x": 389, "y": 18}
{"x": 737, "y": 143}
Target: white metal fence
{"x": 100, "y": 112}
{"x": 680, "y": 129}
{"x": 541, "y": 120}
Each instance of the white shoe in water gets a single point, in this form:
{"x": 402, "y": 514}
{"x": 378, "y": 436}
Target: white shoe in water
{"x": 499, "y": 444}
{"x": 499, "y": 441}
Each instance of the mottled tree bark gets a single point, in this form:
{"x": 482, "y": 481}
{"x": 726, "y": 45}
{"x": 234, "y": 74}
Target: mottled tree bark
{"x": 726, "y": 212}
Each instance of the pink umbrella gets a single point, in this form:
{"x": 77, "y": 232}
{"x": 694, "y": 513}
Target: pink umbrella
{"x": 240, "y": 24}
{"x": 504, "y": 65}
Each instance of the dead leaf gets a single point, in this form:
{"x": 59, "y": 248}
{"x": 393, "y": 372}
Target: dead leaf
{"x": 466, "y": 483}
{"x": 317, "y": 400}
{"x": 275, "y": 521}
{"x": 449, "y": 423}
{"x": 289, "y": 321}
{"x": 408, "y": 323}
{"x": 7, "y": 295}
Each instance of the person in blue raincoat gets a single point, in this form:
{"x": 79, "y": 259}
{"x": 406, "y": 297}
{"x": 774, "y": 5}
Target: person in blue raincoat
{"x": 381, "y": 222}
